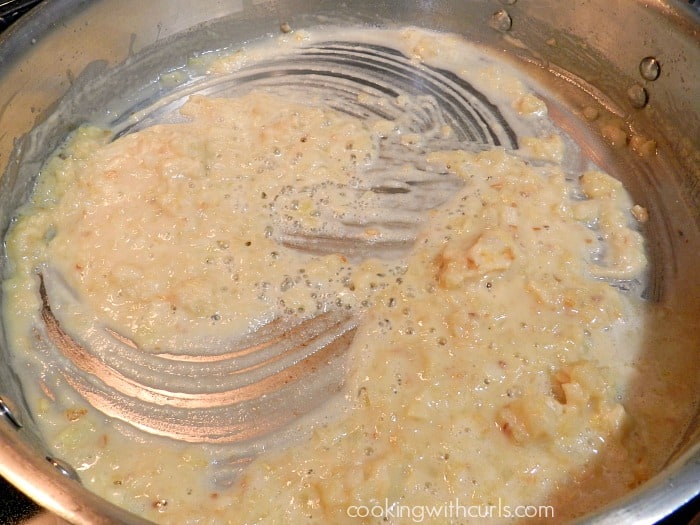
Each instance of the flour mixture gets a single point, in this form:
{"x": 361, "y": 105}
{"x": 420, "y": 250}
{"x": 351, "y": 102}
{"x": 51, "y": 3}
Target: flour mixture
{"x": 486, "y": 274}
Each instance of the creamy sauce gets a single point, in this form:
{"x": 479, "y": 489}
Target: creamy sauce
{"x": 496, "y": 364}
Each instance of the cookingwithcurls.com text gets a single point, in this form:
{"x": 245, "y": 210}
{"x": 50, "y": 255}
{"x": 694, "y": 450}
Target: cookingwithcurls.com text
{"x": 455, "y": 509}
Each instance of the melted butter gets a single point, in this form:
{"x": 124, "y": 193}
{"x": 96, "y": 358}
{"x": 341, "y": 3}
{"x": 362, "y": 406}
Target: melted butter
{"x": 487, "y": 377}
{"x": 493, "y": 363}
{"x": 173, "y": 224}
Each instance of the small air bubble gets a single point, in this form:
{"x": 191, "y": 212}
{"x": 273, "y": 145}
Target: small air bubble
{"x": 638, "y": 96}
{"x": 649, "y": 68}
{"x": 287, "y": 283}
{"x": 501, "y": 21}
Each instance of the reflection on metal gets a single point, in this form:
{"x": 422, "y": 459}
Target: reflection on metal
{"x": 230, "y": 391}
{"x": 64, "y": 468}
{"x": 7, "y": 410}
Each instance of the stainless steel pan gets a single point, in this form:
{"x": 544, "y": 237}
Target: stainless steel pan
{"x": 71, "y": 60}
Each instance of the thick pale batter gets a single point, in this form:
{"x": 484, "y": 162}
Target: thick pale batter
{"x": 494, "y": 364}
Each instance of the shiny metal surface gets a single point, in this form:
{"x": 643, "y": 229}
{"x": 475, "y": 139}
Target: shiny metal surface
{"x": 8, "y": 412}
{"x": 12, "y": 10}
{"x": 280, "y": 373}
{"x": 576, "y": 48}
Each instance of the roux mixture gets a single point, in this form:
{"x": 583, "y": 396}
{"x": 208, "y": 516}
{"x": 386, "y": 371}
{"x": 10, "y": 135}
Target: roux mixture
{"x": 495, "y": 368}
